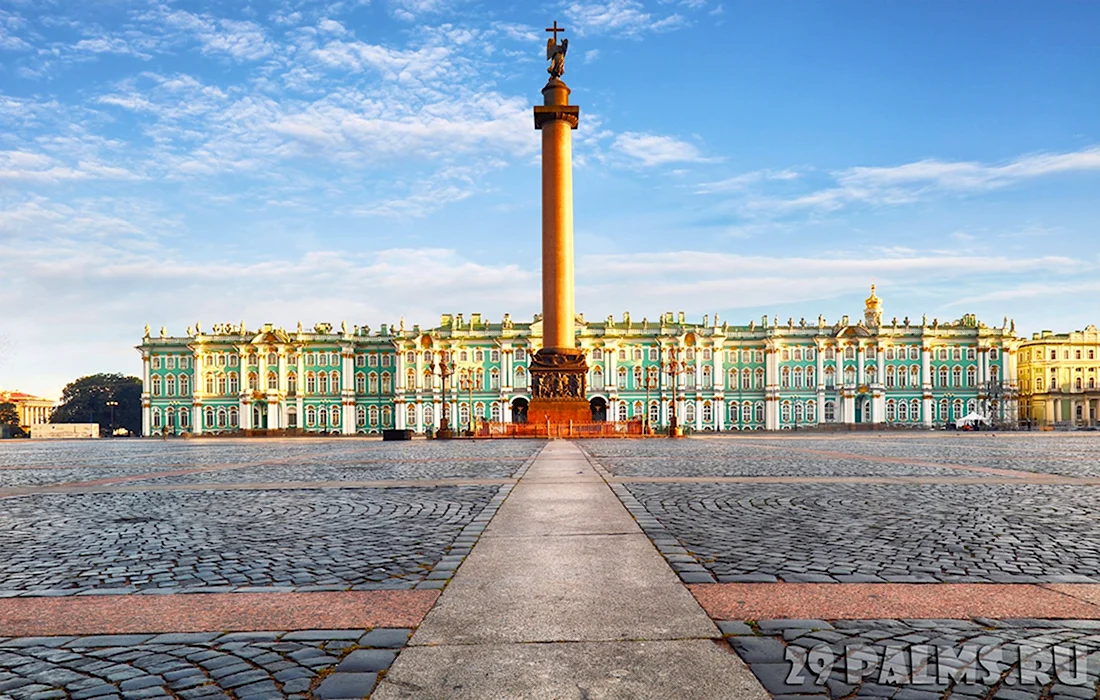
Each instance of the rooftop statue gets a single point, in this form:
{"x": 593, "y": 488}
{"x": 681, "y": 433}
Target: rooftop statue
{"x": 555, "y": 52}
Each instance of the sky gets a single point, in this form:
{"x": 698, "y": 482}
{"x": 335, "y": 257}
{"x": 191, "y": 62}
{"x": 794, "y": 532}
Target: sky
{"x": 168, "y": 163}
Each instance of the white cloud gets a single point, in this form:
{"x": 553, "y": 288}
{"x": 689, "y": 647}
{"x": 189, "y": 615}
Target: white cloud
{"x": 743, "y": 181}
{"x": 653, "y": 149}
{"x": 624, "y": 18}
{"x": 38, "y": 168}
{"x": 331, "y": 26}
{"x": 242, "y": 39}
{"x": 591, "y": 55}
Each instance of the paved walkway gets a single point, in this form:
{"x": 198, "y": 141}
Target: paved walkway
{"x": 564, "y": 596}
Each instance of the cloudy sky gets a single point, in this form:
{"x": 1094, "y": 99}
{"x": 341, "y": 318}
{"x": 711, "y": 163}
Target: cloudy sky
{"x": 178, "y": 162}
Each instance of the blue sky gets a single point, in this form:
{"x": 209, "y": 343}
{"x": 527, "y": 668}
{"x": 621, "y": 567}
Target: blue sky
{"x": 179, "y": 162}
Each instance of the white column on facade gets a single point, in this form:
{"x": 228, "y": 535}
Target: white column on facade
{"x": 146, "y": 392}
{"x": 720, "y": 414}
{"x": 506, "y": 378}
{"x": 399, "y": 415}
{"x": 347, "y": 391}
{"x": 926, "y": 385}
{"x": 698, "y": 414}
{"x": 860, "y": 373}
{"x": 611, "y": 379}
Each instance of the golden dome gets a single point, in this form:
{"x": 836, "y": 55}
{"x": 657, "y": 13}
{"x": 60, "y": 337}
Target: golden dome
{"x": 873, "y": 301}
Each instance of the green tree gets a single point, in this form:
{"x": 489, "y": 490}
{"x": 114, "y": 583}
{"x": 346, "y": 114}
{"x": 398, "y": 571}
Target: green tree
{"x": 85, "y": 401}
{"x": 9, "y": 414}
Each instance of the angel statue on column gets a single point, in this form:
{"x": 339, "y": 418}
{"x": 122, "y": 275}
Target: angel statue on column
{"x": 555, "y": 53}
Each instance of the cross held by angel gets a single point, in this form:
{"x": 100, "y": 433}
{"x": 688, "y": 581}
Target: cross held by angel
{"x": 555, "y": 52}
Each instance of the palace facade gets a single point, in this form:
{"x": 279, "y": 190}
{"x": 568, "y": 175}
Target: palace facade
{"x": 33, "y": 410}
{"x": 1058, "y": 378}
{"x": 709, "y": 376}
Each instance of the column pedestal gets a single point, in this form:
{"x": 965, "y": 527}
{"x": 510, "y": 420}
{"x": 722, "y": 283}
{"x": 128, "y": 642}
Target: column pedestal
{"x": 558, "y": 379}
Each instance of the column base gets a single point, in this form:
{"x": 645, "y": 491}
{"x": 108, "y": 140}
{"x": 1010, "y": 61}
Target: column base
{"x": 558, "y": 388}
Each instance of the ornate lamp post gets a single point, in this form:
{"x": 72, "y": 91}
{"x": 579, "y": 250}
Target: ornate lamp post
{"x": 674, "y": 366}
{"x": 111, "y": 427}
{"x": 446, "y": 368}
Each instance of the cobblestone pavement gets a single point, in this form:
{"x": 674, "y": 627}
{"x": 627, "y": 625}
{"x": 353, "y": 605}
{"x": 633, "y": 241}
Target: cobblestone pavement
{"x": 922, "y": 659}
{"x": 900, "y": 533}
{"x": 361, "y": 538}
{"x": 355, "y": 471}
{"x": 323, "y": 664}
{"x": 1074, "y": 455}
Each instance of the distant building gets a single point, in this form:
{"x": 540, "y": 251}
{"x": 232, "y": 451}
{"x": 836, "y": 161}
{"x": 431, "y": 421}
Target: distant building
{"x": 1058, "y": 378}
{"x": 32, "y": 409}
{"x": 719, "y": 377}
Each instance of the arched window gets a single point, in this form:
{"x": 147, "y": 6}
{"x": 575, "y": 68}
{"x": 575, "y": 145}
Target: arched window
{"x": 234, "y": 417}
{"x": 311, "y": 416}
{"x": 272, "y": 359}
{"x": 708, "y": 412}
{"x": 252, "y": 359}
{"x": 785, "y": 412}
{"x": 208, "y": 416}
{"x": 210, "y": 384}
{"x": 185, "y": 418}
{"x": 758, "y": 382}
{"x": 334, "y": 415}
{"x": 410, "y": 417}
{"x": 156, "y": 417}
{"x": 734, "y": 409}
{"x": 943, "y": 377}
{"x": 746, "y": 379}
{"x": 597, "y": 354}
{"x": 733, "y": 379}
{"x": 361, "y": 416}
{"x": 654, "y": 412}
{"x": 222, "y": 418}
{"x": 410, "y": 379}
{"x": 494, "y": 412}
{"x": 849, "y": 353}
{"x": 372, "y": 414}
{"x": 622, "y": 411}
{"x": 222, "y": 384}
{"x": 311, "y": 383}
{"x": 429, "y": 380}
{"x": 799, "y": 413}
{"x": 157, "y": 383}
{"x": 170, "y": 384}
{"x": 811, "y": 411}
{"x": 786, "y": 354}
{"x": 253, "y": 381}
{"x": 622, "y": 377}
{"x": 334, "y": 381}
{"x": 361, "y": 383}
{"x": 322, "y": 382}
{"x": 891, "y": 410}
{"x": 830, "y": 377}
{"x": 890, "y": 377}
{"x": 521, "y": 378}
{"x": 689, "y": 411}
{"x": 849, "y": 375}
{"x": 956, "y": 376}
{"x": 872, "y": 374}
{"x": 637, "y": 377}
{"x": 914, "y": 410}
{"x": 387, "y": 417}
{"x": 494, "y": 379}
{"x": 429, "y": 414}
{"x": 797, "y": 377}
{"x": 759, "y": 412}
{"x": 636, "y": 410}
{"x": 479, "y": 379}
{"x": 387, "y": 383}
{"x": 830, "y": 412}
{"x": 972, "y": 377}
{"x": 372, "y": 383}
{"x": 185, "y": 385}
{"x": 914, "y": 376}
{"x": 903, "y": 411}
{"x": 708, "y": 377}
{"x": 272, "y": 381}
{"x": 785, "y": 378}
{"x": 597, "y": 378}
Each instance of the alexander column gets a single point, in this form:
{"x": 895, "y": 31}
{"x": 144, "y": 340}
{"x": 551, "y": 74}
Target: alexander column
{"x": 558, "y": 370}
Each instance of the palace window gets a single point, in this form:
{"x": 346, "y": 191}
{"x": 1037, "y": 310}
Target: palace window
{"x": 971, "y": 377}
{"x": 956, "y": 376}
{"x": 870, "y": 352}
{"x": 797, "y": 377}
{"x": 759, "y": 417}
{"x": 361, "y": 383}
{"x": 891, "y": 410}
{"x": 830, "y": 411}
{"x": 234, "y": 360}
{"x": 746, "y": 412}
{"x": 272, "y": 381}
{"x": 689, "y": 411}
{"x": 638, "y": 354}
{"x": 653, "y": 354}
{"x": 956, "y": 354}
{"x": 830, "y": 354}
{"x": 914, "y": 376}
{"x": 253, "y": 381}
{"x": 785, "y": 412}
{"x": 597, "y": 354}
{"x": 785, "y": 378}
{"x": 621, "y": 411}
{"x": 479, "y": 379}
{"x": 387, "y": 383}
{"x": 903, "y": 411}
{"x": 334, "y": 381}
{"x": 311, "y": 416}
{"x": 156, "y": 361}
{"x": 521, "y": 355}
{"x": 993, "y": 353}
{"x": 830, "y": 377}
{"x": 798, "y": 354}
{"x": 890, "y": 377}
{"x": 311, "y": 383}
{"x": 849, "y": 353}
{"x": 708, "y": 377}
{"x": 809, "y": 353}
{"x": 786, "y": 354}
{"x": 208, "y": 361}
{"x": 372, "y": 383}
{"x": 292, "y": 383}
{"x": 372, "y": 360}
{"x": 521, "y": 378}
{"x": 170, "y": 384}
{"x": 810, "y": 376}
{"x": 708, "y": 412}
{"x": 849, "y": 375}
{"x": 970, "y": 353}
{"x": 334, "y": 415}
{"x": 156, "y": 385}
{"x": 360, "y": 416}
{"x": 811, "y": 411}
{"x": 637, "y": 376}
{"x": 597, "y": 378}
{"x": 689, "y": 376}
{"x": 914, "y": 353}
{"x": 210, "y": 384}
{"x": 622, "y": 378}
{"x": 799, "y": 415}
{"x": 758, "y": 356}
{"x": 360, "y": 360}
{"x": 253, "y": 359}
{"x": 622, "y": 354}
{"x": 185, "y": 385}
{"x": 387, "y": 417}
{"x": 372, "y": 412}
{"x": 758, "y": 379}
{"x": 170, "y": 362}
{"x": 272, "y": 359}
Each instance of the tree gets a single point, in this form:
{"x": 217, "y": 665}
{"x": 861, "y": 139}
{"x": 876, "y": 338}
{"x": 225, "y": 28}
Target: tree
{"x": 85, "y": 401}
{"x": 9, "y": 414}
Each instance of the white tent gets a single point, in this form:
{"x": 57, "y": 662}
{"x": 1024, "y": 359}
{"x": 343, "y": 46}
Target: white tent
{"x": 971, "y": 418}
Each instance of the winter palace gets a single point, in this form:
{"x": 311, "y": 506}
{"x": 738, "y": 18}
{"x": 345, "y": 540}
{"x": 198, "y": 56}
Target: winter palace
{"x": 709, "y": 376}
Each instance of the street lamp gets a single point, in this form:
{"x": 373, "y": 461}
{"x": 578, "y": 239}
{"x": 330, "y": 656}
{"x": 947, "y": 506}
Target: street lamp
{"x": 446, "y": 369}
{"x": 674, "y": 366}
{"x": 111, "y": 425}
{"x": 650, "y": 383}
